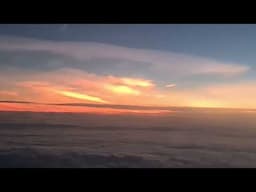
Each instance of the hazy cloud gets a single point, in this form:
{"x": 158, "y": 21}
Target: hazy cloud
{"x": 115, "y": 59}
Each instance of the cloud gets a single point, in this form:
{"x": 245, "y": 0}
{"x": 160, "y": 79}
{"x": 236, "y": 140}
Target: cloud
{"x": 70, "y": 85}
{"x": 170, "y": 85}
{"x": 224, "y": 69}
{"x": 79, "y": 108}
{"x": 94, "y": 105}
{"x": 137, "y": 82}
{"x": 82, "y": 96}
{"x": 78, "y": 85}
{"x": 121, "y": 89}
{"x": 117, "y": 59}
{"x": 77, "y": 81}
{"x": 8, "y": 93}
{"x": 25, "y": 102}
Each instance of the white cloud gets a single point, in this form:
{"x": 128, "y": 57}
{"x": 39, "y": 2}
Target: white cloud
{"x": 170, "y": 85}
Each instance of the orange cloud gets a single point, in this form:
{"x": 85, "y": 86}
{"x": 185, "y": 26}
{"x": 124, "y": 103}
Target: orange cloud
{"x": 33, "y": 84}
{"x": 52, "y": 87}
{"x": 8, "y": 93}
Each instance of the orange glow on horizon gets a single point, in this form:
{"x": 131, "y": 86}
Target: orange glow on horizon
{"x": 75, "y": 109}
{"x": 92, "y": 88}
{"x": 206, "y": 104}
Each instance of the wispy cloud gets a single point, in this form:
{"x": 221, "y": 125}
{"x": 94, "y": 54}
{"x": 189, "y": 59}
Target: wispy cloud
{"x": 223, "y": 69}
{"x": 81, "y": 96}
{"x": 170, "y": 85}
{"x": 146, "y": 61}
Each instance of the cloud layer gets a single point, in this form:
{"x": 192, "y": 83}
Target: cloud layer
{"x": 96, "y": 56}
{"x": 73, "y": 74}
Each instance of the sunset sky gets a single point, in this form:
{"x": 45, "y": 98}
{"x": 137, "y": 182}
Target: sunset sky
{"x": 138, "y": 69}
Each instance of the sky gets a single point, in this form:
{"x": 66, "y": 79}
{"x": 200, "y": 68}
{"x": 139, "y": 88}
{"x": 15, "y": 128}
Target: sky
{"x": 141, "y": 68}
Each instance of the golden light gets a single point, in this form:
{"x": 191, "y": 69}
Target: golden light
{"x": 82, "y": 96}
{"x": 121, "y": 89}
{"x": 137, "y": 82}
{"x": 205, "y": 103}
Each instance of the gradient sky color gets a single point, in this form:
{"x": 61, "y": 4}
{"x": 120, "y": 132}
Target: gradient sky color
{"x": 140, "y": 65}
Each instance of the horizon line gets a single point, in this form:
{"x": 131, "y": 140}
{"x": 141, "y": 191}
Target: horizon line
{"x": 123, "y": 106}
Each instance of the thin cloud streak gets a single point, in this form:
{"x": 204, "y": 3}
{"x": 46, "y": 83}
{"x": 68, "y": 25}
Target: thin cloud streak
{"x": 82, "y": 96}
{"x": 170, "y": 85}
{"x": 37, "y": 107}
{"x": 86, "y": 106}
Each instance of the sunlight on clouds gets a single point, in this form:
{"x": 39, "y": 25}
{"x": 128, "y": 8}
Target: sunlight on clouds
{"x": 137, "y": 82}
{"x": 41, "y": 87}
{"x": 154, "y": 70}
{"x": 121, "y": 89}
{"x": 205, "y": 103}
{"x": 82, "y": 96}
